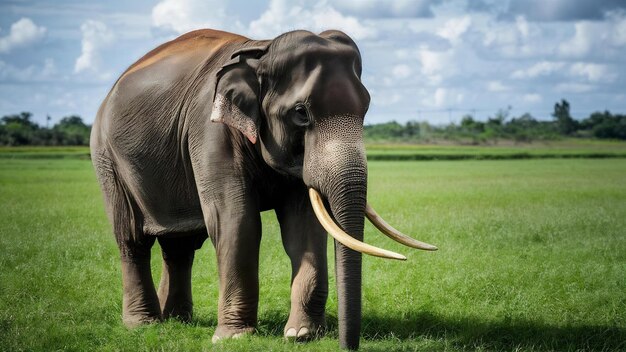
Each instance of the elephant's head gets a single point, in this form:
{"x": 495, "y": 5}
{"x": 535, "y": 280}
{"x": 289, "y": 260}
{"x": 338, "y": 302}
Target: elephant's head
{"x": 300, "y": 96}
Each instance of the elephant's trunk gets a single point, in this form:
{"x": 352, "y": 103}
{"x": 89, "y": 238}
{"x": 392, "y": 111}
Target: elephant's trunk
{"x": 347, "y": 206}
{"x": 338, "y": 170}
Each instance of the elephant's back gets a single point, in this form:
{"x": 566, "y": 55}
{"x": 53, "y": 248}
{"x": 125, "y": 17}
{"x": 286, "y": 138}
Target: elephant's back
{"x": 202, "y": 42}
{"x": 146, "y": 100}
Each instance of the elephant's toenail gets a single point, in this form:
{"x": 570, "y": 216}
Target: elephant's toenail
{"x": 291, "y": 333}
{"x": 303, "y": 332}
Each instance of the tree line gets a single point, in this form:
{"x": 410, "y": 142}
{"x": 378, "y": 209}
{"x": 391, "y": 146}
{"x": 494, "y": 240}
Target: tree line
{"x": 501, "y": 126}
{"x": 20, "y": 129}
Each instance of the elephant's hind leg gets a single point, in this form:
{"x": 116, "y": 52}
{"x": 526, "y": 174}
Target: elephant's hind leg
{"x": 175, "y": 287}
{"x": 305, "y": 242}
{"x": 140, "y": 302}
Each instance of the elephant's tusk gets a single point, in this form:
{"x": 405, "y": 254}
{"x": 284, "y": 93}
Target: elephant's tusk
{"x": 345, "y": 239}
{"x": 394, "y": 234}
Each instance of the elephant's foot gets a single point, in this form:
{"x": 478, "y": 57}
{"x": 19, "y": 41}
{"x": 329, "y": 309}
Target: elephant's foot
{"x": 176, "y": 305}
{"x": 136, "y": 320}
{"x": 140, "y": 311}
{"x": 140, "y": 304}
{"x": 182, "y": 312}
{"x": 226, "y": 332}
{"x": 301, "y": 328}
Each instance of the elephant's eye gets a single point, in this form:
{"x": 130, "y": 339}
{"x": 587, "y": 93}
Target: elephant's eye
{"x": 301, "y": 116}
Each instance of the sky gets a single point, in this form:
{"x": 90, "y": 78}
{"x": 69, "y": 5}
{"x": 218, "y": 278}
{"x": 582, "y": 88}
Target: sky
{"x": 427, "y": 60}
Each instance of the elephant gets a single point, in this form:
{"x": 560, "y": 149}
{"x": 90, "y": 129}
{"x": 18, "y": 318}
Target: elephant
{"x": 206, "y": 131}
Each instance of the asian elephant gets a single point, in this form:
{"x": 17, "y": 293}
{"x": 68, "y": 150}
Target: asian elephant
{"x": 203, "y": 133}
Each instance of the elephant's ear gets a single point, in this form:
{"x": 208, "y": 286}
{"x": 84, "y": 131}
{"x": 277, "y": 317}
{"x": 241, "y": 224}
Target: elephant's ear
{"x": 236, "y": 97}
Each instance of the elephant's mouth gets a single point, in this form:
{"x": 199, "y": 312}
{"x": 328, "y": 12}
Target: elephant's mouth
{"x": 349, "y": 241}
{"x": 291, "y": 168}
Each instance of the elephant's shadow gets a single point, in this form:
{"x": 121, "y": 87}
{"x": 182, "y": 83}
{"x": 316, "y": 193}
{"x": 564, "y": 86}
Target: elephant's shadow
{"x": 467, "y": 333}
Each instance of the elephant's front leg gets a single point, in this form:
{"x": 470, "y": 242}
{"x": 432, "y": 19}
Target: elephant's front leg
{"x": 304, "y": 240}
{"x": 237, "y": 238}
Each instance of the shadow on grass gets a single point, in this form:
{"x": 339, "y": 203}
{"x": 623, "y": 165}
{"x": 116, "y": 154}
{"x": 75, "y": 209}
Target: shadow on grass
{"x": 467, "y": 333}
{"x": 500, "y": 335}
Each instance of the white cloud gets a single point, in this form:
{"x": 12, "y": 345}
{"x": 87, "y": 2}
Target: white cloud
{"x": 497, "y": 86}
{"x": 552, "y": 10}
{"x": 444, "y": 97}
{"x": 385, "y": 98}
{"x": 401, "y": 71}
{"x": 574, "y": 88}
{"x": 543, "y": 68}
{"x": 532, "y": 98}
{"x": 96, "y": 37}
{"x": 521, "y": 39}
{"x": 440, "y": 96}
{"x": 385, "y": 8}
{"x": 49, "y": 68}
{"x": 619, "y": 31}
{"x": 22, "y": 33}
{"x": 581, "y": 43}
{"x": 402, "y": 54}
{"x": 593, "y": 72}
{"x": 183, "y": 16}
{"x": 282, "y": 16}
{"x": 436, "y": 64}
{"x": 454, "y": 28}
{"x": 522, "y": 26}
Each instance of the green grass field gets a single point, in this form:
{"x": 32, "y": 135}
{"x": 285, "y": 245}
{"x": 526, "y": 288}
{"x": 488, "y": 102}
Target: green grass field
{"x": 566, "y": 148}
{"x": 532, "y": 257}
{"x": 44, "y": 152}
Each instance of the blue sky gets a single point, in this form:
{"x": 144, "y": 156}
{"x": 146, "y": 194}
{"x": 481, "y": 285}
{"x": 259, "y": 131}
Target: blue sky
{"x": 423, "y": 59}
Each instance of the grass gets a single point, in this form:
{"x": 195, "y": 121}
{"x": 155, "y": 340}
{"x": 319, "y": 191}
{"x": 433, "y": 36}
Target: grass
{"x": 532, "y": 257}
{"x": 567, "y": 148}
{"x": 44, "y": 152}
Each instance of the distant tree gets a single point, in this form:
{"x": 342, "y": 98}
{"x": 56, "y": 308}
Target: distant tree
{"x": 526, "y": 120}
{"x": 472, "y": 129}
{"x": 519, "y": 128}
{"x": 467, "y": 121}
{"x": 426, "y": 130}
{"x": 18, "y": 129}
{"x": 468, "y": 124}
{"x": 22, "y": 118}
{"x": 74, "y": 130}
{"x": 412, "y": 129}
{"x": 494, "y": 128}
{"x": 383, "y": 131}
{"x": 605, "y": 125}
{"x": 565, "y": 123}
{"x": 500, "y": 117}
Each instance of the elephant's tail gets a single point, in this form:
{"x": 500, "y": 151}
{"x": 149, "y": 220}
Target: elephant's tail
{"x": 124, "y": 213}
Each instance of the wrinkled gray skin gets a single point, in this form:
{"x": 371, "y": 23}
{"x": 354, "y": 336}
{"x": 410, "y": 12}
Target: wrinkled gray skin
{"x": 205, "y": 132}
